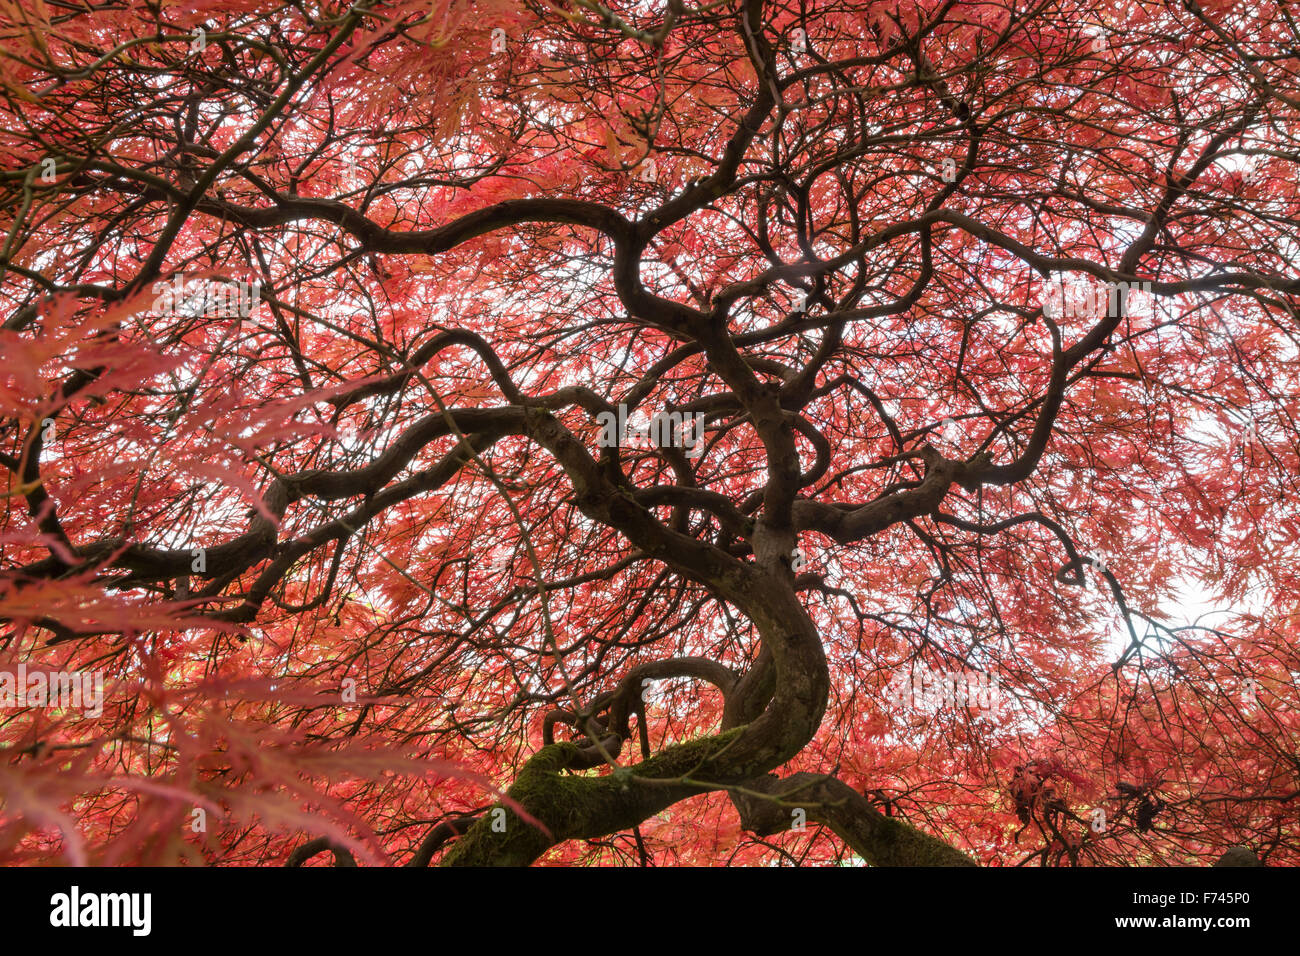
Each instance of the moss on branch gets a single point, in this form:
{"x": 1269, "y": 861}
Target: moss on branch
{"x": 577, "y": 807}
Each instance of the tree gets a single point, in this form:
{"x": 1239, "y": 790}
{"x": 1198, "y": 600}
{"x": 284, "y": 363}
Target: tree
{"x": 753, "y": 432}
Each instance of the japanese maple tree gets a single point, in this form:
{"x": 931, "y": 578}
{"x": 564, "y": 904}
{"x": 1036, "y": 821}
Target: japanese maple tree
{"x": 754, "y": 432}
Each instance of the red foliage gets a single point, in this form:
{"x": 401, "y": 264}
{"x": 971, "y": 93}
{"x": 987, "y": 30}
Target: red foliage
{"x": 310, "y": 320}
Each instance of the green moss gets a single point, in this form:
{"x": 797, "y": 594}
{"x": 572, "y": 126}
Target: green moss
{"x": 580, "y": 807}
{"x": 895, "y": 843}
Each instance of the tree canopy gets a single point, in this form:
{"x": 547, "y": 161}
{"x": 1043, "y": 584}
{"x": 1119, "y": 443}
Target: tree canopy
{"x": 748, "y": 433}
